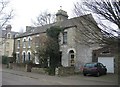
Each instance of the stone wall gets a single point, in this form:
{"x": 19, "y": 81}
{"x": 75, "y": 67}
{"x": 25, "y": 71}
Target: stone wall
{"x": 64, "y": 71}
{"x": 83, "y": 55}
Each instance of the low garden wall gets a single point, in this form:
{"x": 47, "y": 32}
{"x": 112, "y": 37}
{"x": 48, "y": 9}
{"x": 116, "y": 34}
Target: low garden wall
{"x": 64, "y": 71}
{"x": 39, "y": 70}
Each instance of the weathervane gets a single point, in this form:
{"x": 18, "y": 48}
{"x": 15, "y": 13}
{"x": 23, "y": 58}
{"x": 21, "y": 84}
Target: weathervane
{"x": 61, "y": 7}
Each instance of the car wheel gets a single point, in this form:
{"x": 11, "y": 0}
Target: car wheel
{"x": 98, "y": 74}
{"x": 84, "y": 74}
{"x": 105, "y": 73}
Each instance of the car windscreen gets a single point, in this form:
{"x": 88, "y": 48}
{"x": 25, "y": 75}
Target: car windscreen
{"x": 90, "y": 65}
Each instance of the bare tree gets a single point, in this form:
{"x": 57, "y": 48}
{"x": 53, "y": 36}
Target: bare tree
{"x": 5, "y": 14}
{"x": 105, "y": 10}
{"x": 44, "y": 18}
{"x": 40, "y": 49}
{"x": 108, "y": 9}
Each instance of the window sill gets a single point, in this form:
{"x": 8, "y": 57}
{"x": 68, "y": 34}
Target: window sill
{"x": 36, "y": 46}
{"x": 64, "y": 44}
{"x": 29, "y": 46}
{"x": 24, "y": 47}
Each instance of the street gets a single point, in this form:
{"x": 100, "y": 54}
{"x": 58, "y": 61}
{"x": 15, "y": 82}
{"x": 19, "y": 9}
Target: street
{"x": 12, "y": 77}
{"x": 0, "y": 74}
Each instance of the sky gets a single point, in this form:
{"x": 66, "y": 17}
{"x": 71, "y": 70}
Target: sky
{"x": 27, "y": 10}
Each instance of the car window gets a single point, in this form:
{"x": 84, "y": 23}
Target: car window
{"x": 90, "y": 65}
{"x": 101, "y": 65}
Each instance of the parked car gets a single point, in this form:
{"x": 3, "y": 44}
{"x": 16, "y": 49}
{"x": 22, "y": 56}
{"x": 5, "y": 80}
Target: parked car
{"x": 94, "y": 68}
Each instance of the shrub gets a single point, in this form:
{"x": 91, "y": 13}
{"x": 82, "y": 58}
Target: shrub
{"x": 5, "y": 60}
{"x": 51, "y": 71}
{"x": 29, "y": 62}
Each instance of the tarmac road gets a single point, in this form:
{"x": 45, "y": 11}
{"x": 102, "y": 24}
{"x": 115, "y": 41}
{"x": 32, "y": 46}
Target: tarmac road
{"x": 12, "y": 77}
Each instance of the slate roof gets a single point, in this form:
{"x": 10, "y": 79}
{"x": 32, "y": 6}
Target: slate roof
{"x": 4, "y": 33}
{"x": 67, "y": 23}
{"x": 35, "y": 30}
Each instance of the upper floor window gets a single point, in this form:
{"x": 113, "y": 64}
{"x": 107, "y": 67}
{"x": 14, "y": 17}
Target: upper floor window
{"x": 29, "y": 42}
{"x": 16, "y": 35}
{"x": 64, "y": 37}
{"x": 106, "y": 51}
{"x": 7, "y": 44}
{"x": 18, "y": 44}
{"x": 24, "y": 43}
{"x": 7, "y": 53}
{"x": 9, "y": 36}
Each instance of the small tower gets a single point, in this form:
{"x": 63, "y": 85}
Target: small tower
{"x": 8, "y": 28}
{"x": 61, "y": 15}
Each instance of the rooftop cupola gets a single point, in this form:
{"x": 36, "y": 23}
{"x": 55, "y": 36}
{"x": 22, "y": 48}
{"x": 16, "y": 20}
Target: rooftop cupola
{"x": 61, "y": 15}
{"x": 8, "y": 28}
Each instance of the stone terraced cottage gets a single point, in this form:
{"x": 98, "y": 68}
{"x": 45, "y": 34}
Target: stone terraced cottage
{"x": 74, "y": 51}
{"x": 7, "y": 41}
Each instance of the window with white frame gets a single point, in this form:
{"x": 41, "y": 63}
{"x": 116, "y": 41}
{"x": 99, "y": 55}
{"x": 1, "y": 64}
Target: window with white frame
{"x": 72, "y": 57}
{"x": 18, "y": 45}
{"x": 29, "y": 56}
{"x": 64, "y": 37}
{"x": 8, "y": 35}
{"x": 16, "y": 35}
{"x": 24, "y": 57}
{"x": 7, "y": 53}
{"x": 29, "y": 42}
{"x": 18, "y": 58}
{"x": 7, "y": 44}
{"x": 24, "y": 43}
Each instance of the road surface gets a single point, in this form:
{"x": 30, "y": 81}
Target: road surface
{"x": 12, "y": 77}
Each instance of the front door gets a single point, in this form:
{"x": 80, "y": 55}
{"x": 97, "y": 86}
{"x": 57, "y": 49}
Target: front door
{"x": 72, "y": 58}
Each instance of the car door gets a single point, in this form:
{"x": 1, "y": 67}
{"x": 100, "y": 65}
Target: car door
{"x": 102, "y": 68}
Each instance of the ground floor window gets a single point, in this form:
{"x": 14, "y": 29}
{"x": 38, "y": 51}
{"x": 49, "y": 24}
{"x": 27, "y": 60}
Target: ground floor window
{"x": 24, "y": 56}
{"x": 29, "y": 56}
{"x": 18, "y": 58}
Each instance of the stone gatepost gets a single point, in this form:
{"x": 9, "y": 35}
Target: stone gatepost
{"x": 28, "y": 68}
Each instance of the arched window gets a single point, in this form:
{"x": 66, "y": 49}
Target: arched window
{"x": 65, "y": 37}
{"x": 24, "y": 57}
{"x": 18, "y": 44}
{"x": 29, "y": 42}
{"x": 7, "y": 44}
{"x": 8, "y": 35}
{"x": 24, "y": 42}
{"x": 29, "y": 56}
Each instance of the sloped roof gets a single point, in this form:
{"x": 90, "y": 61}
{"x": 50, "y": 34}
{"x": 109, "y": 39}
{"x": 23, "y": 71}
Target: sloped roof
{"x": 4, "y": 32}
{"x": 67, "y": 23}
{"x": 35, "y": 30}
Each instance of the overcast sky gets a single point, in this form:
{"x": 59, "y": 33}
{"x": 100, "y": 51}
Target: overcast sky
{"x": 26, "y": 10}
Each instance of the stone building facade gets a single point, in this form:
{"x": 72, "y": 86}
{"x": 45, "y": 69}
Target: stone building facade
{"x": 74, "y": 52}
{"x": 7, "y": 41}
